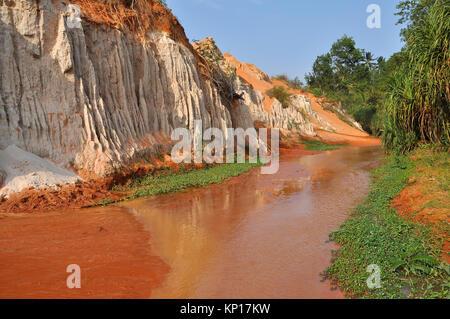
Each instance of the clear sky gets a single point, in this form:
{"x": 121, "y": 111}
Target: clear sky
{"x": 285, "y": 36}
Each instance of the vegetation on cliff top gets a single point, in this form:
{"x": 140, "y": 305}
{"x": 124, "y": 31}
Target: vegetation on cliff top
{"x": 294, "y": 83}
{"x": 223, "y": 75}
{"x": 281, "y": 94}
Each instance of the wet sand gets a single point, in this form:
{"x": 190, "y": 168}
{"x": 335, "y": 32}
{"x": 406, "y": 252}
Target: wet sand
{"x": 109, "y": 245}
{"x": 256, "y": 236}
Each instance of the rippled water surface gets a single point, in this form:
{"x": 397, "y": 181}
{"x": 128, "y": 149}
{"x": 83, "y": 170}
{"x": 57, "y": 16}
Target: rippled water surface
{"x": 257, "y": 236}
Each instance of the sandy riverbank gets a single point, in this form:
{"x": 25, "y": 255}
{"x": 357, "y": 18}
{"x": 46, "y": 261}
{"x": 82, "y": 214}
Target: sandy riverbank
{"x": 110, "y": 246}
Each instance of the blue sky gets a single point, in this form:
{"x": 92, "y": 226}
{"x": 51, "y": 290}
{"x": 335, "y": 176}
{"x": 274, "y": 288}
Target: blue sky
{"x": 285, "y": 36}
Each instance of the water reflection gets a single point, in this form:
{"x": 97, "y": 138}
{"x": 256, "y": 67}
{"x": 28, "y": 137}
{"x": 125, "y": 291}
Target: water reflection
{"x": 257, "y": 236}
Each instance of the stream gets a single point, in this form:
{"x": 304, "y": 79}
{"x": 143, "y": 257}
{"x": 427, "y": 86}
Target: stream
{"x": 257, "y": 236}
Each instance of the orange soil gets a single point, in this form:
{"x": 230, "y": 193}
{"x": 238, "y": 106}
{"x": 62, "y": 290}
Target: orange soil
{"x": 410, "y": 204}
{"x": 255, "y": 77}
{"x": 111, "y": 248}
{"x": 145, "y": 16}
{"x": 69, "y": 196}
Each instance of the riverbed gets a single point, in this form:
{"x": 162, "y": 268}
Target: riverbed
{"x": 255, "y": 236}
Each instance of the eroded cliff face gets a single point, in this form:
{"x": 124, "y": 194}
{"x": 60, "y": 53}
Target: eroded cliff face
{"x": 94, "y": 93}
{"x": 94, "y": 97}
{"x": 252, "y": 97}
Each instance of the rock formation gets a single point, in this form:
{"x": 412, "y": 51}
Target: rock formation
{"x": 95, "y": 96}
{"x": 96, "y": 90}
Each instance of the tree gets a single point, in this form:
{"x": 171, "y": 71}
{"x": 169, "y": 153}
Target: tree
{"x": 350, "y": 75}
{"x": 412, "y": 13}
{"x": 418, "y": 102}
{"x": 322, "y": 76}
{"x": 369, "y": 61}
{"x": 346, "y": 57}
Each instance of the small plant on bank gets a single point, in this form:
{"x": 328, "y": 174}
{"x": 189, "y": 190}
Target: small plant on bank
{"x": 320, "y": 146}
{"x": 105, "y": 202}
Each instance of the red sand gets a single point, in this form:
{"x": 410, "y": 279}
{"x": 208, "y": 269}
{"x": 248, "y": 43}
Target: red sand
{"x": 111, "y": 248}
{"x": 410, "y": 204}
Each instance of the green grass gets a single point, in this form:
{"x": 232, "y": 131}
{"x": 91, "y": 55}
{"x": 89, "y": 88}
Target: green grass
{"x": 320, "y": 146}
{"x": 167, "y": 181}
{"x": 105, "y": 202}
{"x": 406, "y": 252}
{"x": 153, "y": 186}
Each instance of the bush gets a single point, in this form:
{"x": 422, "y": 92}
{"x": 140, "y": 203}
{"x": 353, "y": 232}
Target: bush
{"x": 293, "y": 83}
{"x": 281, "y": 94}
{"x": 364, "y": 116}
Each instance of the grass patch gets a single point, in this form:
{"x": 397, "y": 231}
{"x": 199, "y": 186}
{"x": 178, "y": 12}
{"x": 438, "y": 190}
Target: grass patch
{"x": 406, "y": 252}
{"x": 105, "y": 202}
{"x": 167, "y": 181}
{"x": 152, "y": 186}
{"x": 320, "y": 146}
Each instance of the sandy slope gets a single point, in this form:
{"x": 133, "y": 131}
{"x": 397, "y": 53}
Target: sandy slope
{"x": 23, "y": 170}
{"x": 344, "y": 133}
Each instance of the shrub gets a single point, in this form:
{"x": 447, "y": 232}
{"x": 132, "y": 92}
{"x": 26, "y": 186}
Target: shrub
{"x": 281, "y": 94}
{"x": 293, "y": 83}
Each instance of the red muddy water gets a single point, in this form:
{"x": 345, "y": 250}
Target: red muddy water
{"x": 256, "y": 236}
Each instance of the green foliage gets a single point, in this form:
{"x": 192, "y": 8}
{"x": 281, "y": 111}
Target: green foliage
{"x": 365, "y": 116}
{"x": 152, "y": 186}
{"x": 354, "y": 77}
{"x": 281, "y": 94}
{"x": 412, "y": 13}
{"x": 320, "y": 146}
{"x": 405, "y": 251}
{"x": 105, "y": 202}
{"x": 295, "y": 83}
{"x": 167, "y": 181}
{"x": 417, "y": 104}
{"x": 404, "y": 99}
{"x": 323, "y": 77}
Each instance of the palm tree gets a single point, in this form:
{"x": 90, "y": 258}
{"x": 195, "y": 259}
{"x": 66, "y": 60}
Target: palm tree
{"x": 369, "y": 61}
